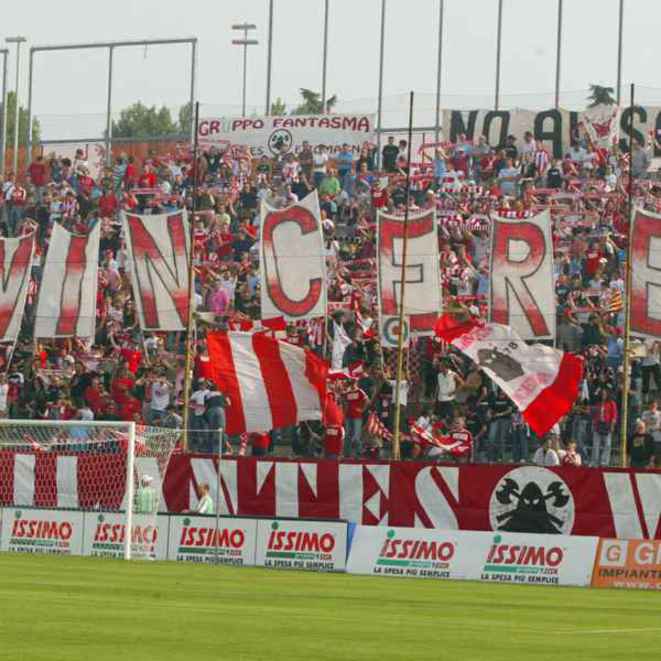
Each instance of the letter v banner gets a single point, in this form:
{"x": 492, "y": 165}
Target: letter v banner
{"x": 522, "y": 293}
{"x": 292, "y": 261}
{"x": 67, "y": 297}
{"x": 422, "y": 301}
{"x": 158, "y": 249}
{"x": 16, "y": 262}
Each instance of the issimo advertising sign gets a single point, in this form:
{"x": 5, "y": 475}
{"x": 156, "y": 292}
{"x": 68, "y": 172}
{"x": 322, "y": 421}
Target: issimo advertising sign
{"x": 42, "y": 531}
{"x": 503, "y": 558}
{"x": 409, "y": 552}
{"x": 105, "y": 536}
{"x": 321, "y": 546}
{"x": 539, "y": 559}
{"x": 224, "y": 541}
{"x": 634, "y": 563}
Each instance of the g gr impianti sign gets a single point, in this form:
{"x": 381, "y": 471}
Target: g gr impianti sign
{"x": 42, "y": 531}
{"x": 316, "y": 545}
{"x": 410, "y": 552}
{"x": 105, "y": 536}
{"x": 540, "y": 559}
{"x": 201, "y": 539}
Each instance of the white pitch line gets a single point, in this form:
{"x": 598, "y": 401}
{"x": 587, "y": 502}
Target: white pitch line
{"x": 602, "y": 631}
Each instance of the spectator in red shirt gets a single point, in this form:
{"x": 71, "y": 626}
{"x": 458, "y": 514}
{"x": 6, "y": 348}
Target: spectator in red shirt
{"x": 260, "y": 442}
{"x": 108, "y": 204}
{"x": 604, "y": 419}
{"x": 356, "y": 401}
{"x": 38, "y": 173}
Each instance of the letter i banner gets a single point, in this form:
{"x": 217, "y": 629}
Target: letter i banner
{"x": 542, "y": 382}
{"x": 422, "y": 300}
{"x": 522, "y": 290}
{"x": 292, "y": 261}
{"x": 67, "y": 298}
{"x": 158, "y": 248}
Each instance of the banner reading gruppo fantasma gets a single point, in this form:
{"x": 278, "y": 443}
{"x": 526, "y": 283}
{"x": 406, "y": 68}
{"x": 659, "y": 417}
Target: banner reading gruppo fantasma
{"x": 268, "y": 136}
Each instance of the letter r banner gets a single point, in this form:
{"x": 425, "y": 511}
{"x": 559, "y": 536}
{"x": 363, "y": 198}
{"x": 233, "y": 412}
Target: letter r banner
{"x": 522, "y": 293}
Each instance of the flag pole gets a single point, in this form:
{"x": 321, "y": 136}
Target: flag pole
{"x": 624, "y": 426}
{"x": 188, "y": 376}
{"x": 402, "y": 285}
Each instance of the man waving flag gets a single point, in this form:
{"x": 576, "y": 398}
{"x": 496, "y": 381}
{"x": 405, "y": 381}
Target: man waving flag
{"x": 541, "y": 381}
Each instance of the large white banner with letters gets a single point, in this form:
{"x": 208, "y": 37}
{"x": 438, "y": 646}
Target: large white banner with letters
{"x": 292, "y": 263}
{"x": 522, "y": 291}
{"x": 268, "y": 136}
{"x": 422, "y": 296}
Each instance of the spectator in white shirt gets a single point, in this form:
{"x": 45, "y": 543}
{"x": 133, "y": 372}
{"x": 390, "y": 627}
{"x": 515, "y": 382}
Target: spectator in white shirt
{"x": 447, "y": 382}
{"x": 160, "y": 398}
{"x": 546, "y": 455}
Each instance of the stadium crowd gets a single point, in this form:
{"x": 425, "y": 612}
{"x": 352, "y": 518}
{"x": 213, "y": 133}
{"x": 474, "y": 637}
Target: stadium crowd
{"x": 125, "y": 374}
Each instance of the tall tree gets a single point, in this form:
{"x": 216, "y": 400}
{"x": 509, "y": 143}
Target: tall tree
{"x": 278, "y": 107}
{"x": 601, "y": 96}
{"x": 22, "y": 122}
{"x": 312, "y": 104}
{"x": 141, "y": 121}
{"x": 186, "y": 118}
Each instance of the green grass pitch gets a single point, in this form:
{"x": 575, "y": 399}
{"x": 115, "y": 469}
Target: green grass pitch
{"x": 87, "y": 609}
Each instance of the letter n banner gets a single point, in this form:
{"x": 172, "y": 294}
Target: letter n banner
{"x": 522, "y": 291}
{"x": 422, "y": 299}
{"x": 158, "y": 258}
{"x": 292, "y": 261}
{"x": 15, "y": 262}
{"x": 67, "y": 297}
{"x": 646, "y": 274}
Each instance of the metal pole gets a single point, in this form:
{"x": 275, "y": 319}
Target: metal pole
{"x": 30, "y": 74}
{"x": 402, "y": 289}
{"x": 268, "y": 60}
{"x": 17, "y": 109}
{"x": 218, "y": 488}
{"x": 558, "y": 51}
{"x": 379, "y": 104}
{"x": 624, "y": 429}
{"x": 245, "y": 66}
{"x": 191, "y": 285}
{"x": 498, "y": 50}
{"x": 620, "y": 31}
{"x": 3, "y": 132}
{"x": 130, "y": 461}
{"x": 324, "y": 60}
{"x": 109, "y": 109}
{"x": 438, "y": 71}
{"x": 193, "y": 79}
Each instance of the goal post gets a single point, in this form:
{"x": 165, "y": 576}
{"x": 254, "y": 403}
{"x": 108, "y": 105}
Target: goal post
{"x": 110, "y": 472}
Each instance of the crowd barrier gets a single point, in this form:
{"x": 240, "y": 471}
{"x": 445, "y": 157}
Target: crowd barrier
{"x": 338, "y": 546}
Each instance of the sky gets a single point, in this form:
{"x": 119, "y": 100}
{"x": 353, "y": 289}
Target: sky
{"x": 70, "y": 88}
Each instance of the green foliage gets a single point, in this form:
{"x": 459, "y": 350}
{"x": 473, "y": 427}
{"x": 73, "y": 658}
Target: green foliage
{"x": 22, "y": 122}
{"x": 312, "y": 104}
{"x": 278, "y": 107}
{"x": 601, "y": 96}
{"x": 140, "y": 121}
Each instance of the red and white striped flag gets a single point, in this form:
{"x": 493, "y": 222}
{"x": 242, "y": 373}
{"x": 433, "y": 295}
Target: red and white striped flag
{"x": 542, "y": 382}
{"x": 376, "y": 428}
{"x": 270, "y": 383}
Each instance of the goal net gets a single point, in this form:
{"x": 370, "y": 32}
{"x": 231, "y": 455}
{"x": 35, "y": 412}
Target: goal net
{"x": 79, "y": 486}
